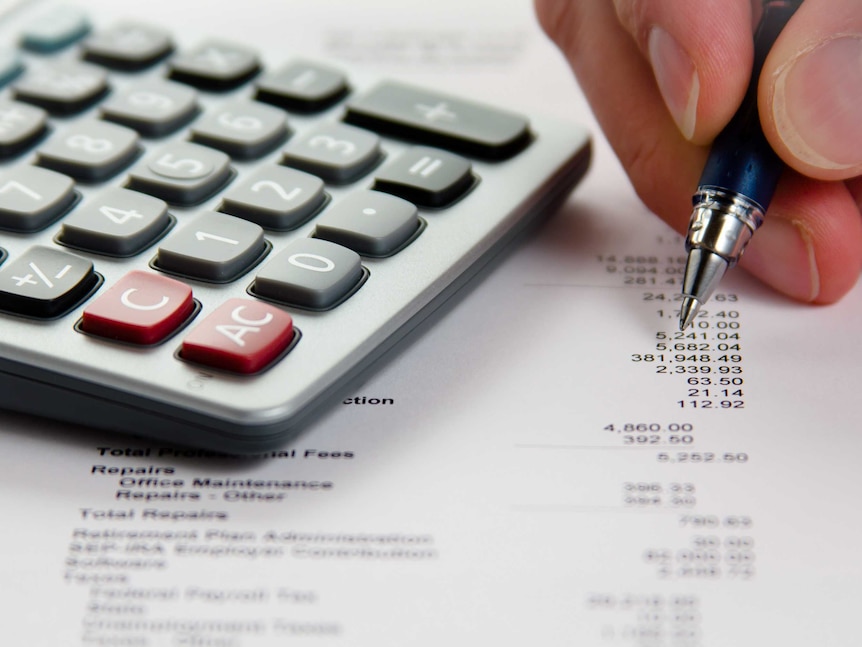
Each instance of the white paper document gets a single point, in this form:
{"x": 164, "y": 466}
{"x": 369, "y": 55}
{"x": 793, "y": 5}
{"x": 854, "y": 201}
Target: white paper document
{"x": 550, "y": 463}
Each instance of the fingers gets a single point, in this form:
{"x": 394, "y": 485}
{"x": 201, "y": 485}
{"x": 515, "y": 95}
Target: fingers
{"x": 620, "y": 87}
{"x": 811, "y": 90}
{"x": 810, "y": 245}
{"x": 700, "y": 52}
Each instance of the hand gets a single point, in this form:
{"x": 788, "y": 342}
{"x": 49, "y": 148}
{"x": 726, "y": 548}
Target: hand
{"x": 665, "y": 76}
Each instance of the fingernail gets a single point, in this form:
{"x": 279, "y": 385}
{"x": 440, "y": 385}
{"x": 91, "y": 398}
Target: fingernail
{"x": 782, "y": 255}
{"x": 817, "y": 104}
{"x": 677, "y": 79}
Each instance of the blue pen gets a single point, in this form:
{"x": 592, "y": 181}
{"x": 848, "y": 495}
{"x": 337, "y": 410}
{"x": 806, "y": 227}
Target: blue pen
{"x": 737, "y": 183}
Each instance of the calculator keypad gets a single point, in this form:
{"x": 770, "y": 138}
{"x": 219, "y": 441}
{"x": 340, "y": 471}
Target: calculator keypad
{"x": 223, "y": 204}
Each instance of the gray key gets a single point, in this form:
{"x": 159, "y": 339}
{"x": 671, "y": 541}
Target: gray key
{"x": 215, "y": 65}
{"x": 335, "y": 152}
{"x": 303, "y": 86}
{"x": 154, "y": 108}
{"x": 369, "y": 223}
{"x": 32, "y": 197}
{"x": 440, "y": 119}
{"x": 276, "y": 197}
{"x": 128, "y": 46}
{"x": 56, "y": 29}
{"x": 45, "y": 282}
{"x": 10, "y": 65}
{"x": 117, "y": 222}
{"x": 242, "y": 129}
{"x": 20, "y": 126}
{"x": 426, "y": 176}
{"x": 310, "y": 273}
{"x": 212, "y": 247}
{"x": 62, "y": 87}
{"x": 181, "y": 173}
{"x": 91, "y": 150}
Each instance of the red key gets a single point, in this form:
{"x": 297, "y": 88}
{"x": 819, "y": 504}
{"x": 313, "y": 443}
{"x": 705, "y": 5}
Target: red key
{"x": 141, "y": 308}
{"x": 241, "y": 335}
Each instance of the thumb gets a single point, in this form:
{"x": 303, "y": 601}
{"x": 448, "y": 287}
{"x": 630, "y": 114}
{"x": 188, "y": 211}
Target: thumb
{"x": 811, "y": 90}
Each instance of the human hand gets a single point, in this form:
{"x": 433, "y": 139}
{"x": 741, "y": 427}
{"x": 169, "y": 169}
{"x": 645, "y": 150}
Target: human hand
{"x": 665, "y": 76}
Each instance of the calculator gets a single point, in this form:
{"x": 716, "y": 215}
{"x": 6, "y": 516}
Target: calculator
{"x": 205, "y": 240}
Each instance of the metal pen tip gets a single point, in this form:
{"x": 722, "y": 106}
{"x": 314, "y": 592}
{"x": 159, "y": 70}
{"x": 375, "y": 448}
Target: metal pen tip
{"x": 690, "y": 308}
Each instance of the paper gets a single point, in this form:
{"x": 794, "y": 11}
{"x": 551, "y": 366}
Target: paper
{"x": 552, "y": 463}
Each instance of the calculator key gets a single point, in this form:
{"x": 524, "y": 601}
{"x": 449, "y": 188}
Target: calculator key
{"x": 10, "y": 65}
{"x": 21, "y": 125}
{"x": 90, "y": 150}
{"x": 426, "y": 176}
{"x": 440, "y": 119}
{"x": 215, "y": 65}
{"x": 62, "y": 87}
{"x": 140, "y": 308}
{"x": 154, "y": 108}
{"x": 242, "y": 129}
{"x": 31, "y": 197}
{"x": 369, "y": 223}
{"x": 310, "y": 273}
{"x": 128, "y": 46}
{"x": 276, "y": 197}
{"x": 302, "y": 86}
{"x": 241, "y": 335}
{"x": 336, "y": 152}
{"x": 53, "y": 31}
{"x": 116, "y": 222}
{"x": 181, "y": 173}
{"x": 45, "y": 282}
{"x": 213, "y": 247}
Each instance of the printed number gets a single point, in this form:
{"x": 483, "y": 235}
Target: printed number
{"x": 342, "y": 146}
{"x": 150, "y": 100}
{"x": 186, "y": 165}
{"x": 119, "y": 216}
{"x": 90, "y": 144}
{"x": 269, "y": 184}
{"x": 13, "y": 185}
{"x": 312, "y": 262}
{"x": 240, "y": 122}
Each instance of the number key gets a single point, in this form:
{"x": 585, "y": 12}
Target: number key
{"x": 63, "y": 87}
{"x": 213, "y": 247}
{"x": 242, "y": 129}
{"x": 154, "y": 108}
{"x": 182, "y": 173}
{"x": 33, "y": 197}
{"x": 91, "y": 150}
{"x": 276, "y": 198}
{"x": 336, "y": 152}
{"x": 117, "y": 222}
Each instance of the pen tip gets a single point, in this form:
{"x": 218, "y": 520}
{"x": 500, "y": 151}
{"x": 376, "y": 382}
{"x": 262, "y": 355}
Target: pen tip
{"x": 690, "y": 307}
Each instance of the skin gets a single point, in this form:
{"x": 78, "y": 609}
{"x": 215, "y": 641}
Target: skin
{"x": 665, "y": 76}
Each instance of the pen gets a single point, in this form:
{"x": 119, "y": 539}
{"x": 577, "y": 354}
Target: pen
{"x": 737, "y": 183}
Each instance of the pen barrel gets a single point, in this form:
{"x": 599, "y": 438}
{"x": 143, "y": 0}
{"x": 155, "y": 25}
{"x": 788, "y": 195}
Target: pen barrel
{"x": 741, "y": 160}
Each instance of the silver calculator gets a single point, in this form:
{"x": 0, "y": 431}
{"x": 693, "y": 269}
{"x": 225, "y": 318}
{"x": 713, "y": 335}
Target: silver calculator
{"x": 204, "y": 242}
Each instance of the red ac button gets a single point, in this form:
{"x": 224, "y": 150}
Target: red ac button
{"x": 141, "y": 308}
{"x": 241, "y": 335}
